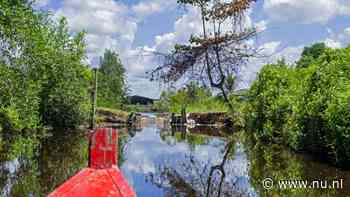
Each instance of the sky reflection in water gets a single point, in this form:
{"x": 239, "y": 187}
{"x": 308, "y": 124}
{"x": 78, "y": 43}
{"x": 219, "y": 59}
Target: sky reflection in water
{"x": 161, "y": 164}
{"x": 160, "y": 161}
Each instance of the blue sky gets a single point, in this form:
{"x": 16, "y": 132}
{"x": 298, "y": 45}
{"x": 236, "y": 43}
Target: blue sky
{"x": 133, "y": 26}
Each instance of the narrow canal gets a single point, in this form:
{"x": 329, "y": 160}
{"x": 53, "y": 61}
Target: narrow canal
{"x": 161, "y": 161}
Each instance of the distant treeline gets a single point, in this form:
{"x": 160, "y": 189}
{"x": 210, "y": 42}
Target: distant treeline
{"x": 193, "y": 98}
{"x": 305, "y": 105}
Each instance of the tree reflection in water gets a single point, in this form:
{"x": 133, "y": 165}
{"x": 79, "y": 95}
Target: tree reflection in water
{"x": 193, "y": 177}
{"x": 220, "y": 168}
{"x": 57, "y": 158}
{"x": 219, "y": 177}
{"x": 170, "y": 162}
{"x": 61, "y": 156}
{"x": 278, "y": 163}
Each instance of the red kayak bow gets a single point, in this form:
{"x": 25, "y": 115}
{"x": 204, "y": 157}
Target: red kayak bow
{"x": 102, "y": 178}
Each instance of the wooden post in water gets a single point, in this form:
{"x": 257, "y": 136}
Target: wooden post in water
{"x": 183, "y": 115}
{"x": 94, "y": 101}
{"x": 172, "y": 119}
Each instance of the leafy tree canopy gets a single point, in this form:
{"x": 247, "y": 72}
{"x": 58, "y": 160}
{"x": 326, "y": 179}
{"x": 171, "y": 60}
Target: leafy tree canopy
{"x": 310, "y": 54}
{"x": 112, "y": 83}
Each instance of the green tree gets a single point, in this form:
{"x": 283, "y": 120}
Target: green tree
{"x": 310, "y": 54}
{"x": 43, "y": 82}
{"x": 44, "y": 62}
{"x": 112, "y": 83}
{"x": 64, "y": 95}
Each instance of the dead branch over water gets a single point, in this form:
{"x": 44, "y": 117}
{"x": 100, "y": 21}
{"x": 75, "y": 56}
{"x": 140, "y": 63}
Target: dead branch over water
{"x": 218, "y": 53}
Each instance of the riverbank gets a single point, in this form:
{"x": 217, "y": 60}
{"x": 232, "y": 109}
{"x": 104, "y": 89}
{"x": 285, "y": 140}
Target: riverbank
{"x": 111, "y": 116}
{"x": 108, "y": 117}
{"x": 304, "y": 106}
{"x": 214, "y": 119}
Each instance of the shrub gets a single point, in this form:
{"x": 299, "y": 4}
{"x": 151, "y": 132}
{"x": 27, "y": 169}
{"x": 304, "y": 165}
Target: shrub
{"x": 305, "y": 107}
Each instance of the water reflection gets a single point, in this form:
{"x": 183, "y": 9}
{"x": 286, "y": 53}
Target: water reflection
{"x": 278, "y": 163}
{"x": 183, "y": 163}
{"x": 162, "y": 161}
{"x": 58, "y": 158}
{"x": 62, "y": 156}
{"x": 193, "y": 177}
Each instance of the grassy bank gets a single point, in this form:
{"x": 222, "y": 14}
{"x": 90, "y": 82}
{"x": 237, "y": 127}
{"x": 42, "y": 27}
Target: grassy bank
{"x": 192, "y": 97}
{"x": 111, "y": 115}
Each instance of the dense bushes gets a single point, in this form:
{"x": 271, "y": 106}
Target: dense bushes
{"x": 43, "y": 81}
{"x": 19, "y": 104}
{"x": 275, "y": 105}
{"x": 305, "y": 107}
{"x": 42, "y": 78}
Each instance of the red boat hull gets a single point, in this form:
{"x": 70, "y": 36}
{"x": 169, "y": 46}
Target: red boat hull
{"x": 95, "y": 183}
{"x": 103, "y": 178}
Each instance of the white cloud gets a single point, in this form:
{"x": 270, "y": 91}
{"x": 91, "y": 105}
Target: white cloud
{"x": 144, "y": 9}
{"x": 184, "y": 27}
{"x": 166, "y": 41}
{"x": 270, "y": 47}
{"x": 145, "y": 87}
{"x": 42, "y": 3}
{"x": 337, "y": 40}
{"x": 345, "y": 37}
{"x": 113, "y": 25}
{"x": 107, "y": 22}
{"x": 305, "y": 11}
{"x": 290, "y": 54}
{"x": 273, "y": 53}
{"x": 261, "y": 26}
{"x": 141, "y": 60}
{"x": 190, "y": 23}
{"x": 347, "y": 31}
{"x": 332, "y": 43}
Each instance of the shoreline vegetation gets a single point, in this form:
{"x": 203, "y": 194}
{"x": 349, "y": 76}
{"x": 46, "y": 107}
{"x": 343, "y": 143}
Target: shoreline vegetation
{"x": 45, "y": 87}
{"x": 304, "y": 106}
{"x": 45, "y": 82}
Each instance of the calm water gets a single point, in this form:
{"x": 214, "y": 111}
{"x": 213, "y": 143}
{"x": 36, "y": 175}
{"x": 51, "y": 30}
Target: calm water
{"x": 161, "y": 161}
